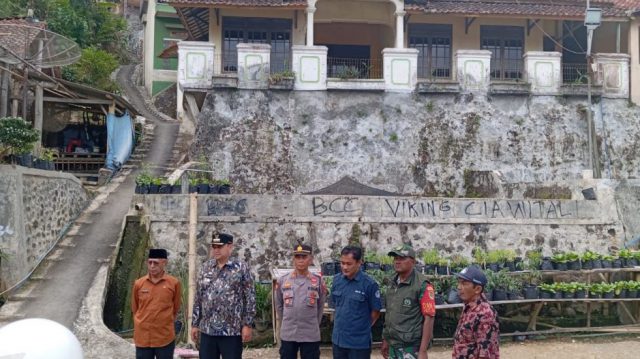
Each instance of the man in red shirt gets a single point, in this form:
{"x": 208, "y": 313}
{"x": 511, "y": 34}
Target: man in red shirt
{"x": 155, "y": 302}
{"x": 478, "y": 332}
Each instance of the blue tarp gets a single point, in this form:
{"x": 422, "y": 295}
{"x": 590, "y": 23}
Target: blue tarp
{"x": 119, "y": 140}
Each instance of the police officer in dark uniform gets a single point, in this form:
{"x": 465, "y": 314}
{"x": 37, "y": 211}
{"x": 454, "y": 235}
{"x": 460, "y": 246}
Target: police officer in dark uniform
{"x": 300, "y": 297}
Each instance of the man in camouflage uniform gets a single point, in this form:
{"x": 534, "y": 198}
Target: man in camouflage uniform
{"x": 411, "y": 308}
{"x": 300, "y": 298}
{"x": 225, "y": 303}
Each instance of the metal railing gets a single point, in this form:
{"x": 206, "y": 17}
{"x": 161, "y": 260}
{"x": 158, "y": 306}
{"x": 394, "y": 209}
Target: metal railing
{"x": 574, "y": 73}
{"x": 225, "y": 63}
{"x": 507, "y": 70}
{"x": 346, "y": 69}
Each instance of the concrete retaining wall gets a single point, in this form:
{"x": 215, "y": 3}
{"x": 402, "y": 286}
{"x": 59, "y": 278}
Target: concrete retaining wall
{"x": 35, "y": 207}
{"x": 266, "y": 226}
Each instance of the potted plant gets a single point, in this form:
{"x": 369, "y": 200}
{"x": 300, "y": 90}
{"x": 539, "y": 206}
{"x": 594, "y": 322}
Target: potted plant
{"x": 176, "y": 187}
{"x": 546, "y": 264}
{"x": 514, "y": 288}
{"x": 328, "y": 282}
{"x": 371, "y": 261}
{"x": 438, "y": 289}
{"x": 165, "y": 186}
{"x": 559, "y": 261}
{"x": 532, "y": 277}
{"x": 588, "y": 257}
{"x": 224, "y": 186}
{"x": 154, "y": 187}
{"x": 559, "y": 290}
{"x": 607, "y": 261}
{"x": 608, "y": 290}
{"x": 581, "y": 290}
{"x": 263, "y": 306}
{"x": 17, "y": 139}
{"x": 494, "y": 260}
{"x": 283, "y": 80}
{"x": 616, "y": 262}
{"x": 452, "y": 295}
{"x": 595, "y": 290}
{"x": 479, "y": 257}
{"x": 533, "y": 260}
{"x": 488, "y": 289}
{"x": 193, "y": 185}
{"x": 430, "y": 259}
{"x": 628, "y": 258}
{"x": 386, "y": 262}
{"x": 547, "y": 290}
{"x": 508, "y": 258}
{"x": 573, "y": 261}
{"x": 632, "y": 288}
{"x": 442, "y": 267}
{"x": 620, "y": 290}
{"x": 500, "y": 283}
{"x": 45, "y": 160}
{"x": 457, "y": 262}
{"x": 143, "y": 180}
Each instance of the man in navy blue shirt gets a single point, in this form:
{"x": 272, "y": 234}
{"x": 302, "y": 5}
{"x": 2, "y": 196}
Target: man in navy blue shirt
{"x": 357, "y": 301}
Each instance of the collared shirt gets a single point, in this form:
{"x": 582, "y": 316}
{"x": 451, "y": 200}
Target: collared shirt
{"x": 478, "y": 332}
{"x": 354, "y": 301}
{"x": 225, "y": 298}
{"x": 155, "y": 307}
{"x": 299, "y": 303}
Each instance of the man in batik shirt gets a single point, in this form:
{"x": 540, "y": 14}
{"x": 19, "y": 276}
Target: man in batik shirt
{"x": 224, "y": 306}
{"x": 478, "y": 330}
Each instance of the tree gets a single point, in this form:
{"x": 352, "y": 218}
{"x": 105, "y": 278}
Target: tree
{"x": 94, "y": 68}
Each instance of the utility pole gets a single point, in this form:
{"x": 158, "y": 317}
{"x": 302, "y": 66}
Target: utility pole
{"x": 592, "y": 19}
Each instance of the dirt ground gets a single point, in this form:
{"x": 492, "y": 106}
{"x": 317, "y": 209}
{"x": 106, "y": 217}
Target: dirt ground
{"x": 566, "y": 348}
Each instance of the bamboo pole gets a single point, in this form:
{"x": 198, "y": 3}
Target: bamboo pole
{"x": 193, "y": 222}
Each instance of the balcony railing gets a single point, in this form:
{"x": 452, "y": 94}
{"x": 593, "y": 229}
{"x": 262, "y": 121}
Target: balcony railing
{"x": 228, "y": 62}
{"x": 507, "y": 70}
{"x": 346, "y": 69}
{"x": 574, "y": 73}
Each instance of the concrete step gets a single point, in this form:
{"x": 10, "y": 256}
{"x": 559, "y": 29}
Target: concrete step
{"x": 10, "y": 311}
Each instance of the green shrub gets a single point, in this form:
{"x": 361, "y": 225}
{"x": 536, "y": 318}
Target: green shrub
{"x": 16, "y": 136}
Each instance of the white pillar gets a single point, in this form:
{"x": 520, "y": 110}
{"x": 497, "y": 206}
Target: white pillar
{"x": 543, "y": 72}
{"x": 633, "y": 48}
{"x": 400, "y": 29}
{"x": 613, "y": 74}
{"x": 473, "y": 70}
{"x": 400, "y": 69}
{"x": 253, "y": 66}
{"x": 310, "y": 66}
{"x": 149, "y": 22}
{"x": 310, "y": 12}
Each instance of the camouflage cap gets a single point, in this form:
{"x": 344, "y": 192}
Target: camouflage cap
{"x": 403, "y": 250}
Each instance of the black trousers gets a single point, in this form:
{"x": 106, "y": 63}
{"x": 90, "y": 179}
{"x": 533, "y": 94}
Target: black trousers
{"x": 308, "y": 350}
{"x": 212, "y": 347}
{"x": 165, "y": 352}
{"x": 346, "y": 353}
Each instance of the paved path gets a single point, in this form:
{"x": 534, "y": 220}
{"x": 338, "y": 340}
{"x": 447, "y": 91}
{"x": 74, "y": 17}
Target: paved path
{"x": 62, "y": 282}
{"x": 610, "y": 348}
